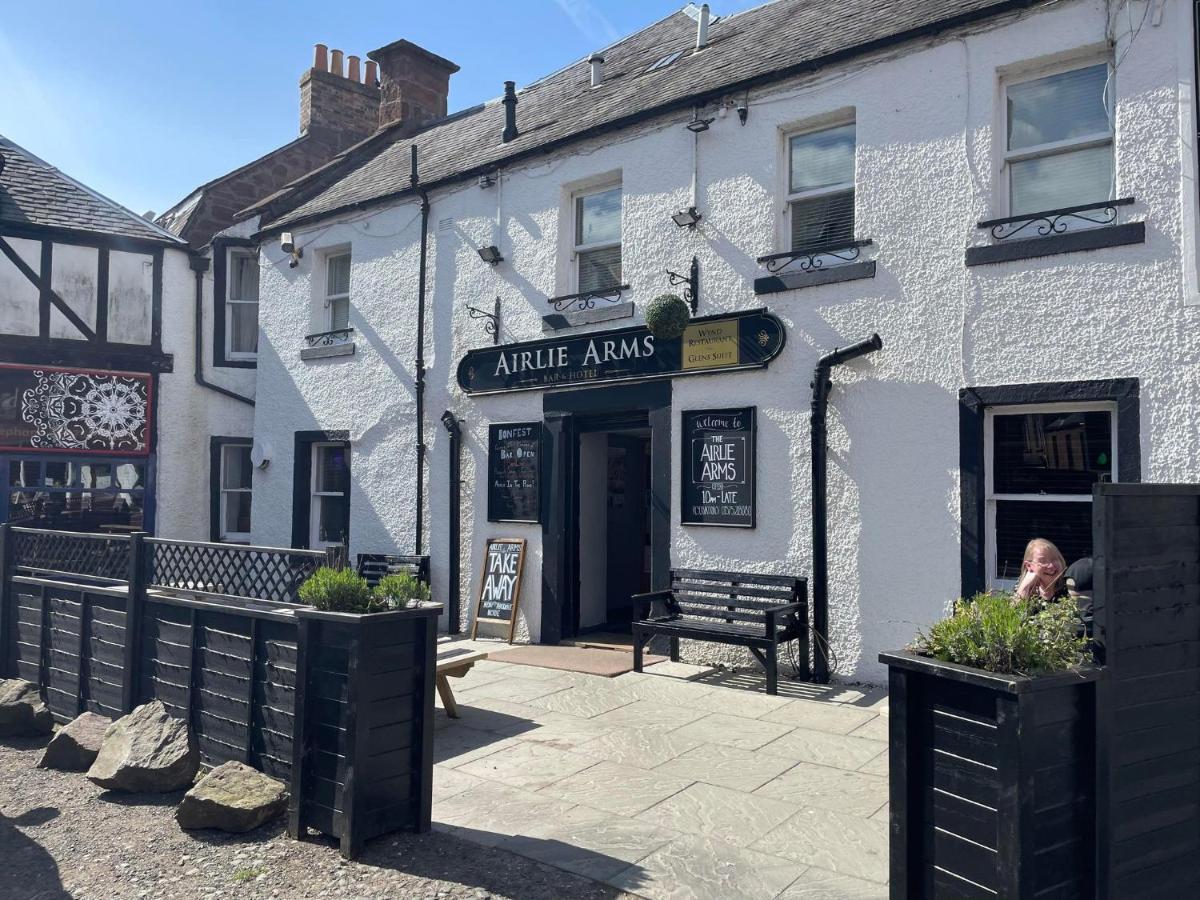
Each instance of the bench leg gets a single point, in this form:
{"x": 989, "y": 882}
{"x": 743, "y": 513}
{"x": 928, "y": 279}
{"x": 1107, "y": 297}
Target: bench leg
{"x": 448, "y": 701}
{"x": 773, "y": 669}
{"x": 674, "y": 649}
{"x": 638, "y": 640}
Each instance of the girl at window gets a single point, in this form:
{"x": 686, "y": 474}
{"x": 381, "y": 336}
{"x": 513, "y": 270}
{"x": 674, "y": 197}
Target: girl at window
{"x": 1042, "y": 571}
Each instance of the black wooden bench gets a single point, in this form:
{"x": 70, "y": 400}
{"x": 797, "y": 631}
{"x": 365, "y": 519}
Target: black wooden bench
{"x": 759, "y": 612}
{"x": 373, "y": 566}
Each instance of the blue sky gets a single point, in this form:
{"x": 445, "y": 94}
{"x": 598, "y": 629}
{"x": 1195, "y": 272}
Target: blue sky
{"x": 145, "y": 99}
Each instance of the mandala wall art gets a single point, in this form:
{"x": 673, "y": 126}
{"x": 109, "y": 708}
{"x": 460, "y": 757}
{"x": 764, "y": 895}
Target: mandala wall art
{"x": 60, "y": 409}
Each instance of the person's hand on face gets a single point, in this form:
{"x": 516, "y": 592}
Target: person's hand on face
{"x": 1029, "y": 579}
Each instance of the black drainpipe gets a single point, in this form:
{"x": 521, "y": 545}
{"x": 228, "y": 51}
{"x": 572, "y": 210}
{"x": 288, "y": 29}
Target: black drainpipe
{"x": 199, "y": 265}
{"x": 821, "y": 386}
{"x": 455, "y": 481}
{"x": 420, "y": 365}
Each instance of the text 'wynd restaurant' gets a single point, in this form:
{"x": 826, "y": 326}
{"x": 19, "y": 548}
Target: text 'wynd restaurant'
{"x": 753, "y": 296}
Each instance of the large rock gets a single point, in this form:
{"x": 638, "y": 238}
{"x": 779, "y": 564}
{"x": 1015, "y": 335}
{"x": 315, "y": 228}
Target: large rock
{"x": 22, "y": 712}
{"x": 75, "y": 747}
{"x": 232, "y": 797}
{"x": 147, "y": 751}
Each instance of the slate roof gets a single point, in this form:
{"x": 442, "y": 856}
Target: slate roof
{"x": 756, "y": 47}
{"x": 34, "y": 193}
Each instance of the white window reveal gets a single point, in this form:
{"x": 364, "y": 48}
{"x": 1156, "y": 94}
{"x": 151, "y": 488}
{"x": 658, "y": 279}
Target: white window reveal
{"x": 820, "y": 201}
{"x": 236, "y": 477}
{"x": 1040, "y": 464}
{"x": 241, "y": 306}
{"x": 337, "y": 291}
{"x": 597, "y": 249}
{"x": 329, "y": 514}
{"x": 1059, "y": 151}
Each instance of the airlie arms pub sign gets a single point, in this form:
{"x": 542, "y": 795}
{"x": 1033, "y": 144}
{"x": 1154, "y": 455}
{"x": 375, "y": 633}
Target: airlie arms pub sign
{"x": 746, "y": 340}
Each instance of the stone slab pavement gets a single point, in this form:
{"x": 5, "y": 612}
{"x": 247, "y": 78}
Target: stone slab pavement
{"x": 679, "y": 782}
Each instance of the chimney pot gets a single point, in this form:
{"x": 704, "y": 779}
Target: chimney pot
{"x": 371, "y": 79}
{"x": 597, "y": 63}
{"x": 701, "y": 28}
{"x": 510, "y": 111}
{"x": 335, "y": 65}
{"x": 321, "y": 57}
{"x": 352, "y": 69}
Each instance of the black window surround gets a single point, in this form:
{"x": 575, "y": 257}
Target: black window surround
{"x": 973, "y": 404}
{"x": 811, "y": 267}
{"x": 302, "y": 482}
{"x": 216, "y": 444}
{"x": 1053, "y": 234}
{"x": 220, "y": 251}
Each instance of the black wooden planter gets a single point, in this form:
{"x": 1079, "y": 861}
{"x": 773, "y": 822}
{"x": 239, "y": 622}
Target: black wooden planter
{"x": 363, "y": 751}
{"x": 992, "y": 781}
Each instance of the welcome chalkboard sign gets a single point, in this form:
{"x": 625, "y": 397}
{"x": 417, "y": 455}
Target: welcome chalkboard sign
{"x": 718, "y": 467}
{"x": 500, "y": 583}
{"x": 514, "y": 472}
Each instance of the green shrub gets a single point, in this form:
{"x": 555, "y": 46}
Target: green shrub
{"x": 1001, "y": 634}
{"x": 394, "y": 591}
{"x": 667, "y": 316}
{"x": 336, "y": 590}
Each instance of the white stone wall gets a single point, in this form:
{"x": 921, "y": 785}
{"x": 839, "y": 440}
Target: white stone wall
{"x": 927, "y": 157}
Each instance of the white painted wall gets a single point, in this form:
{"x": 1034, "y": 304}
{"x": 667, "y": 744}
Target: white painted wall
{"x": 927, "y": 159}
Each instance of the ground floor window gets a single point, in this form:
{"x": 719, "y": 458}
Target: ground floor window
{"x": 1040, "y": 466}
{"x": 235, "y": 493}
{"x": 75, "y": 494}
{"x": 329, "y": 510}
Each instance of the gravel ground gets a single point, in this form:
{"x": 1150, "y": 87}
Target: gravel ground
{"x": 61, "y": 836}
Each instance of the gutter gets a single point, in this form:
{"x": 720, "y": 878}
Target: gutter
{"x": 681, "y": 104}
{"x": 199, "y": 265}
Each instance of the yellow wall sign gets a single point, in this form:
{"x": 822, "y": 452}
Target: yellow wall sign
{"x": 710, "y": 345}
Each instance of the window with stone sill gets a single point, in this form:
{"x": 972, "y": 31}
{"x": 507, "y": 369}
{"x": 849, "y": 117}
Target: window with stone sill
{"x": 596, "y": 248}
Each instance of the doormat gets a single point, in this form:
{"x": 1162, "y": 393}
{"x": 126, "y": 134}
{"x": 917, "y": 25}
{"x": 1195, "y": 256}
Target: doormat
{"x": 588, "y": 660}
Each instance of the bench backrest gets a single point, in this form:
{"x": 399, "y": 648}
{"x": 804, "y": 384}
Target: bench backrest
{"x": 735, "y": 597}
{"x": 373, "y": 566}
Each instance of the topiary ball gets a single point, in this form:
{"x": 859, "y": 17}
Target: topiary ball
{"x": 667, "y": 316}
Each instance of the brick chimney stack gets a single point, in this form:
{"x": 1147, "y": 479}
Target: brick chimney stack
{"x": 334, "y": 103}
{"x": 414, "y": 83}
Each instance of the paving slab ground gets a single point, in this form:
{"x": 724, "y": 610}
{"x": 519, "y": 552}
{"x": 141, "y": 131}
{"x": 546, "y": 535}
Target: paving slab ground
{"x": 679, "y": 782}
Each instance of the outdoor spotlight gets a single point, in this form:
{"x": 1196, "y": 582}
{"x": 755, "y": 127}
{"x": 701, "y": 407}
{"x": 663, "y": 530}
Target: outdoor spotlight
{"x": 698, "y": 125}
{"x": 687, "y": 218}
{"x": 743, "y": 111}
{"x": 286, "y": 243}
{"x": 490, "y": 255}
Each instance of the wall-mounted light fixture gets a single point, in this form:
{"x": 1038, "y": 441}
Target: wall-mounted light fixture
{"x": 687, "y": 218}
{"x": 490, "y": 255}
{"x": 288, "y": 245}
{"x": 743, "y": 111}
{"x": 697, "y": 124}
{"x": 487, "y": 180}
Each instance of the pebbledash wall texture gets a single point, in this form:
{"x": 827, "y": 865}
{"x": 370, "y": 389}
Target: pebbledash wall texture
{"x": 929, "y": 129}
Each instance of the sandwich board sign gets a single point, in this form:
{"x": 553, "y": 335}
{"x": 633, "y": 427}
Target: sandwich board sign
{"x": 500, "y": 584}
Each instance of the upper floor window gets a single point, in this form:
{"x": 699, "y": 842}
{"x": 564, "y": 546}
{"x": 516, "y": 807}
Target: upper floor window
{"x": 241, "y": 306}
{"x": 337, "y": 290}
{"x": 1059, "y": 149}
{"x": 597, "y": 247}
{"x": 821, "y": 187}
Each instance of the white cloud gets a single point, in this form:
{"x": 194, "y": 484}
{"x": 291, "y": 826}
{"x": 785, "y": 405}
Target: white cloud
{"x": 589, "y": 21}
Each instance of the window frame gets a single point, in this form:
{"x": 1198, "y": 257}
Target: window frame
{"x": 992, "y": 581}
{"x": 1053, "y": 148}
{"x": 328, "y": 299}
{"x": 76, "y": 488}
{"x": 314, "y": 506}
{"x": 791, "y": 197}
{"x": 233, "y": 253}
{"x": 232, "y": 537}
{"x": 576, "y": 227}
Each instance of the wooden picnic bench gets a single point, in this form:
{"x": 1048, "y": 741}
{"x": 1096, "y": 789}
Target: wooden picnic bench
{"x": 758, "y": 612}
{"x": 453, "y": 663}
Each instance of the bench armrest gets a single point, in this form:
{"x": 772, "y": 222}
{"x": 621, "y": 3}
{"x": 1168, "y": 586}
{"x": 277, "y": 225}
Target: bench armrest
{"x": 772, "y": 612}
{"x": 642, "y": 603}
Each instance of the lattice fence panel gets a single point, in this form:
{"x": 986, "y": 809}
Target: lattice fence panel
{"x": 255, "y": 572}
{"x": 101, "y": 556}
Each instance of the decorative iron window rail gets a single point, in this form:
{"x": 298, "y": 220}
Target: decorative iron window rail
{"x": 1055, "y": 221}
{"x": 813, "y": 258}
{"x": 587, "y": 299}
{"x": 330, "y": 338}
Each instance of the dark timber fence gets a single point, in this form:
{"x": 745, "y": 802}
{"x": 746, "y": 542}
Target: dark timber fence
{"x": 1147, "y": 633}
{"x": 338, "y": 706}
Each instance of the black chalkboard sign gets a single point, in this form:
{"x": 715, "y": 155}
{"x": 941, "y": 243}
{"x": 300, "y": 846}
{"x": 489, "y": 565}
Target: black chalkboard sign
{"x": 500, "y": 583}
{"x": 718, "y": 467}
{"x": 514, "y": 472}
